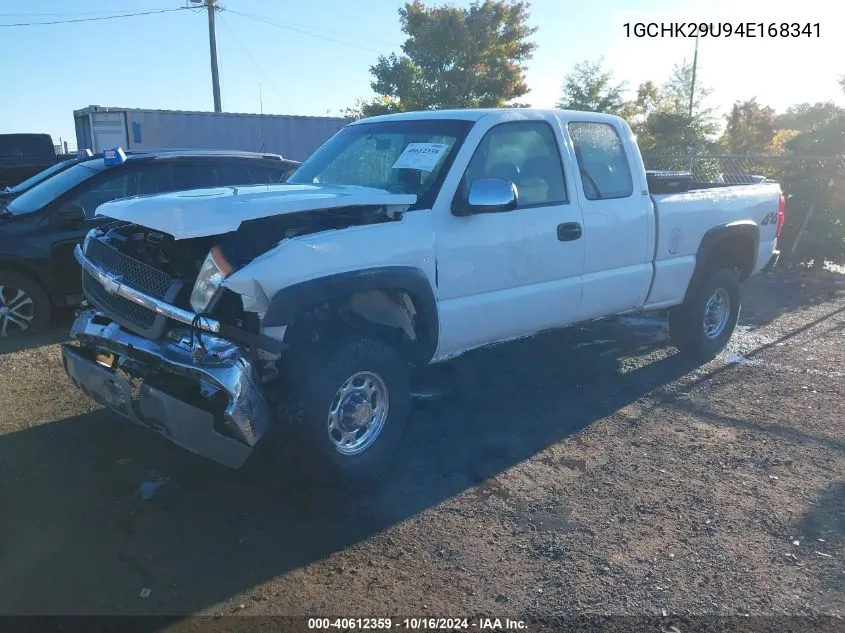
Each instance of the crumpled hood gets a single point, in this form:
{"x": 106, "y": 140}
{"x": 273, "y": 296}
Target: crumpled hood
{"x": 204, "y": 212}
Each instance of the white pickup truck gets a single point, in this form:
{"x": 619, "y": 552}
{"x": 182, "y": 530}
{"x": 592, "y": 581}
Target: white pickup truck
{"x": 405, "y": 240}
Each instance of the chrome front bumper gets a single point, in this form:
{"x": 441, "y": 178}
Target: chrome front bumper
{"x": 225, "y": 430}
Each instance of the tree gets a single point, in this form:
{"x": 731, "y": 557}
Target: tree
{"x": 643, "y": 105}
{"x": 676, "y": 92}
{"x": 661, "y": 119}
{"x": 750, "y": 128}
{"x": 454, "y": 58}
{"x": 804, "y": 117}
{"x": 818, "y": 185}
{"x": 590, "y": 87}
{"x": 676, "y": 133}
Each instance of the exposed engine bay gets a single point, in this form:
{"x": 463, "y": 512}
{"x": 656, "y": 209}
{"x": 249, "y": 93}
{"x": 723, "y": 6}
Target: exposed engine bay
{"x": 183, "y": 259}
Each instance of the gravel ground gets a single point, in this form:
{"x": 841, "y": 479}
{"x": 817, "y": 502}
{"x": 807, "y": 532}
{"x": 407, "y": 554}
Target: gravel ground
{"x": 586, "y": 471}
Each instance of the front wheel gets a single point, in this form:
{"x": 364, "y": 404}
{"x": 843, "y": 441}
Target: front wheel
{"x": 24, "y": 306}
{"x": 702, "y": 326}
{"x": 356, "y": 401}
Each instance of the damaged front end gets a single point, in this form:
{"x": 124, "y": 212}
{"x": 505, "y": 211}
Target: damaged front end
{"x": 210, "y": 403}
{"x": 172, "y": 345}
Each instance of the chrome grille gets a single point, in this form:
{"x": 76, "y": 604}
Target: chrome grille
{"x": 134, "y": 273}
{"x": 119, "y": 307}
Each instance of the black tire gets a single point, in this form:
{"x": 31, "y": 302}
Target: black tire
{"x": 36, "y": 306}
{"x": 687, "y": 321}
{"x": 321, "y": 377}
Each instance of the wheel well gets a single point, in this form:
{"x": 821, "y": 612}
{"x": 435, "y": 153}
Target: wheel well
{"x": 733, "y": 251}
{"x": 391, "y": 315}
{"x": 729, "y": 246}
{"x": 20, "y": 268}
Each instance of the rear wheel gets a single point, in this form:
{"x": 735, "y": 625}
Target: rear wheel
{"x": 702, "y": 326}
{"x": 24, "y": 306}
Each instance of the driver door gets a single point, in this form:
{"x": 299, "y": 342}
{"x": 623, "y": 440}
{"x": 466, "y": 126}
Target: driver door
{"x": 511, "y": 274}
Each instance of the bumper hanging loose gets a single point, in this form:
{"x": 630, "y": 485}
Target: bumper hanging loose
{"x": 210, "y": 404}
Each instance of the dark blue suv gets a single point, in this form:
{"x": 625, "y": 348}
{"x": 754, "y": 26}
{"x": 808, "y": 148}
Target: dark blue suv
{"x": 40, "y": 227}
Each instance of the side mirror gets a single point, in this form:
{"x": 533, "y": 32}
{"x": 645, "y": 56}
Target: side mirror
{"x": 70, "y": 214}
{"x": 489, "y": 195}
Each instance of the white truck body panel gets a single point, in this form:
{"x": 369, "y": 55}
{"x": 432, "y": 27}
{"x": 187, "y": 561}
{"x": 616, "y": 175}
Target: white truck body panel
{"x": 495, "y": 276}
{"x": 684, "y": 218}
{"x": 409, "y": 242}
{"x": 558, "y": 228}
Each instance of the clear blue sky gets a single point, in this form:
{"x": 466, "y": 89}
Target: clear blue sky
{"x": 319, "y": 65}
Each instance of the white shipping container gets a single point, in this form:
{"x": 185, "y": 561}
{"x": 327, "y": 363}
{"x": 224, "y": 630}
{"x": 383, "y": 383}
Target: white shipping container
{"x": 294, "y": 137}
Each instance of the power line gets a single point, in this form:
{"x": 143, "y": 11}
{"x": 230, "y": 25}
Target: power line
{"x": 70, "y": 13}
{"x": 104, "y": 17}
{"x": 254, "y": 63}
{"x": 308, "y": 27}
{"x": 288, "y": 27}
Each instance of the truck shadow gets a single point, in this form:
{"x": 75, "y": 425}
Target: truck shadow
{"x": 78, "y": 536}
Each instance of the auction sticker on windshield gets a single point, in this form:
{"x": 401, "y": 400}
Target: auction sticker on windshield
{"x": 422, "y": 156}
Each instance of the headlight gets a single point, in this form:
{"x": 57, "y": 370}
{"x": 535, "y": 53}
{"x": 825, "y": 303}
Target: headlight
{"x": 207, "y": 289}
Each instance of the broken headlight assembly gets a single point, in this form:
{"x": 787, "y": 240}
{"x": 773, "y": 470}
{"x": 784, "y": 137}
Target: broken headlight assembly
{"x": 208, "y": 288}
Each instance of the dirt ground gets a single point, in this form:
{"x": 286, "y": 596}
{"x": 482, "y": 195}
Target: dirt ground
{"x": 586, "y": 471}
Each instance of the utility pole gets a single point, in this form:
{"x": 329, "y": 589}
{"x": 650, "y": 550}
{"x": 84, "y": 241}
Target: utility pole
{"x": 694, "y": 68}
{"x": 211, "y": 6}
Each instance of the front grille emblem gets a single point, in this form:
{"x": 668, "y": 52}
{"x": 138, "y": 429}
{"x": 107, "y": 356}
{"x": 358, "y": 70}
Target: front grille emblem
{"x": 111, "y": 284}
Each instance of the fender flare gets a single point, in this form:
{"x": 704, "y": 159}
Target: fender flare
{"x": 22, "y": 266}
{"x": 715, "y": 235}
{"x": 290, "y": 301}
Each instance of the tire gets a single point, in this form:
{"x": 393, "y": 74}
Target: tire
{"x": 321, "y": 447}
{"x": 24, "y": 305}
{"x": 690, "y": 333}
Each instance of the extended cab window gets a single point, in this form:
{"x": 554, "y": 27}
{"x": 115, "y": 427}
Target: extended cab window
{"x": 526, "y": 153}
{"x": 605, "y": 172}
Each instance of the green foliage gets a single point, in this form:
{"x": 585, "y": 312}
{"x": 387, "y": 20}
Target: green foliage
{"x": 818, "y": 185}
{"x": 454, "y": 58}
{"x": 643, "y": 105}
{"x": 750, "y": 128}
{"x": 589, "y": 87}
{"x": 804, "y": 116}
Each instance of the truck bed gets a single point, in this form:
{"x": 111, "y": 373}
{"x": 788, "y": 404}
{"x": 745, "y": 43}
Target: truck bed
{"x": 683, "y": 218}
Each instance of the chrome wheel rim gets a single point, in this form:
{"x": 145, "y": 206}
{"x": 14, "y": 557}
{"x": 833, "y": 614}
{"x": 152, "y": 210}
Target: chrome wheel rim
{"x": 717, "y": 313}
{"x": 358, "y": 412}
{"x": 17, "y": 310}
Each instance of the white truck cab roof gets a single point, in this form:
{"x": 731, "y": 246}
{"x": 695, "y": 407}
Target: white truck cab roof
{"x": 505, "y": 114}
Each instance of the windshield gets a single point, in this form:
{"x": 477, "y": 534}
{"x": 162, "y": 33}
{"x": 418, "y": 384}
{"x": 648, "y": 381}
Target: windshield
{"x": 41, "y": 175}
{"x": 409, "y": 157}
{"x": 48, "y": 190}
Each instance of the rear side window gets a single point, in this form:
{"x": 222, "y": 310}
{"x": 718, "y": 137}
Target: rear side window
{"x": 193, "y": 176}
{"x": 154, "y": 179}
{"x": 274, "y": 175}
{"x": 230, "y": 175}
{"x": 605, "y": 172}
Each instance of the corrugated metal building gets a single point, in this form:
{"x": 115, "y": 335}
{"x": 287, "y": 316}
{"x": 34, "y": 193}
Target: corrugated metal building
{"x": 294, "y": 137}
